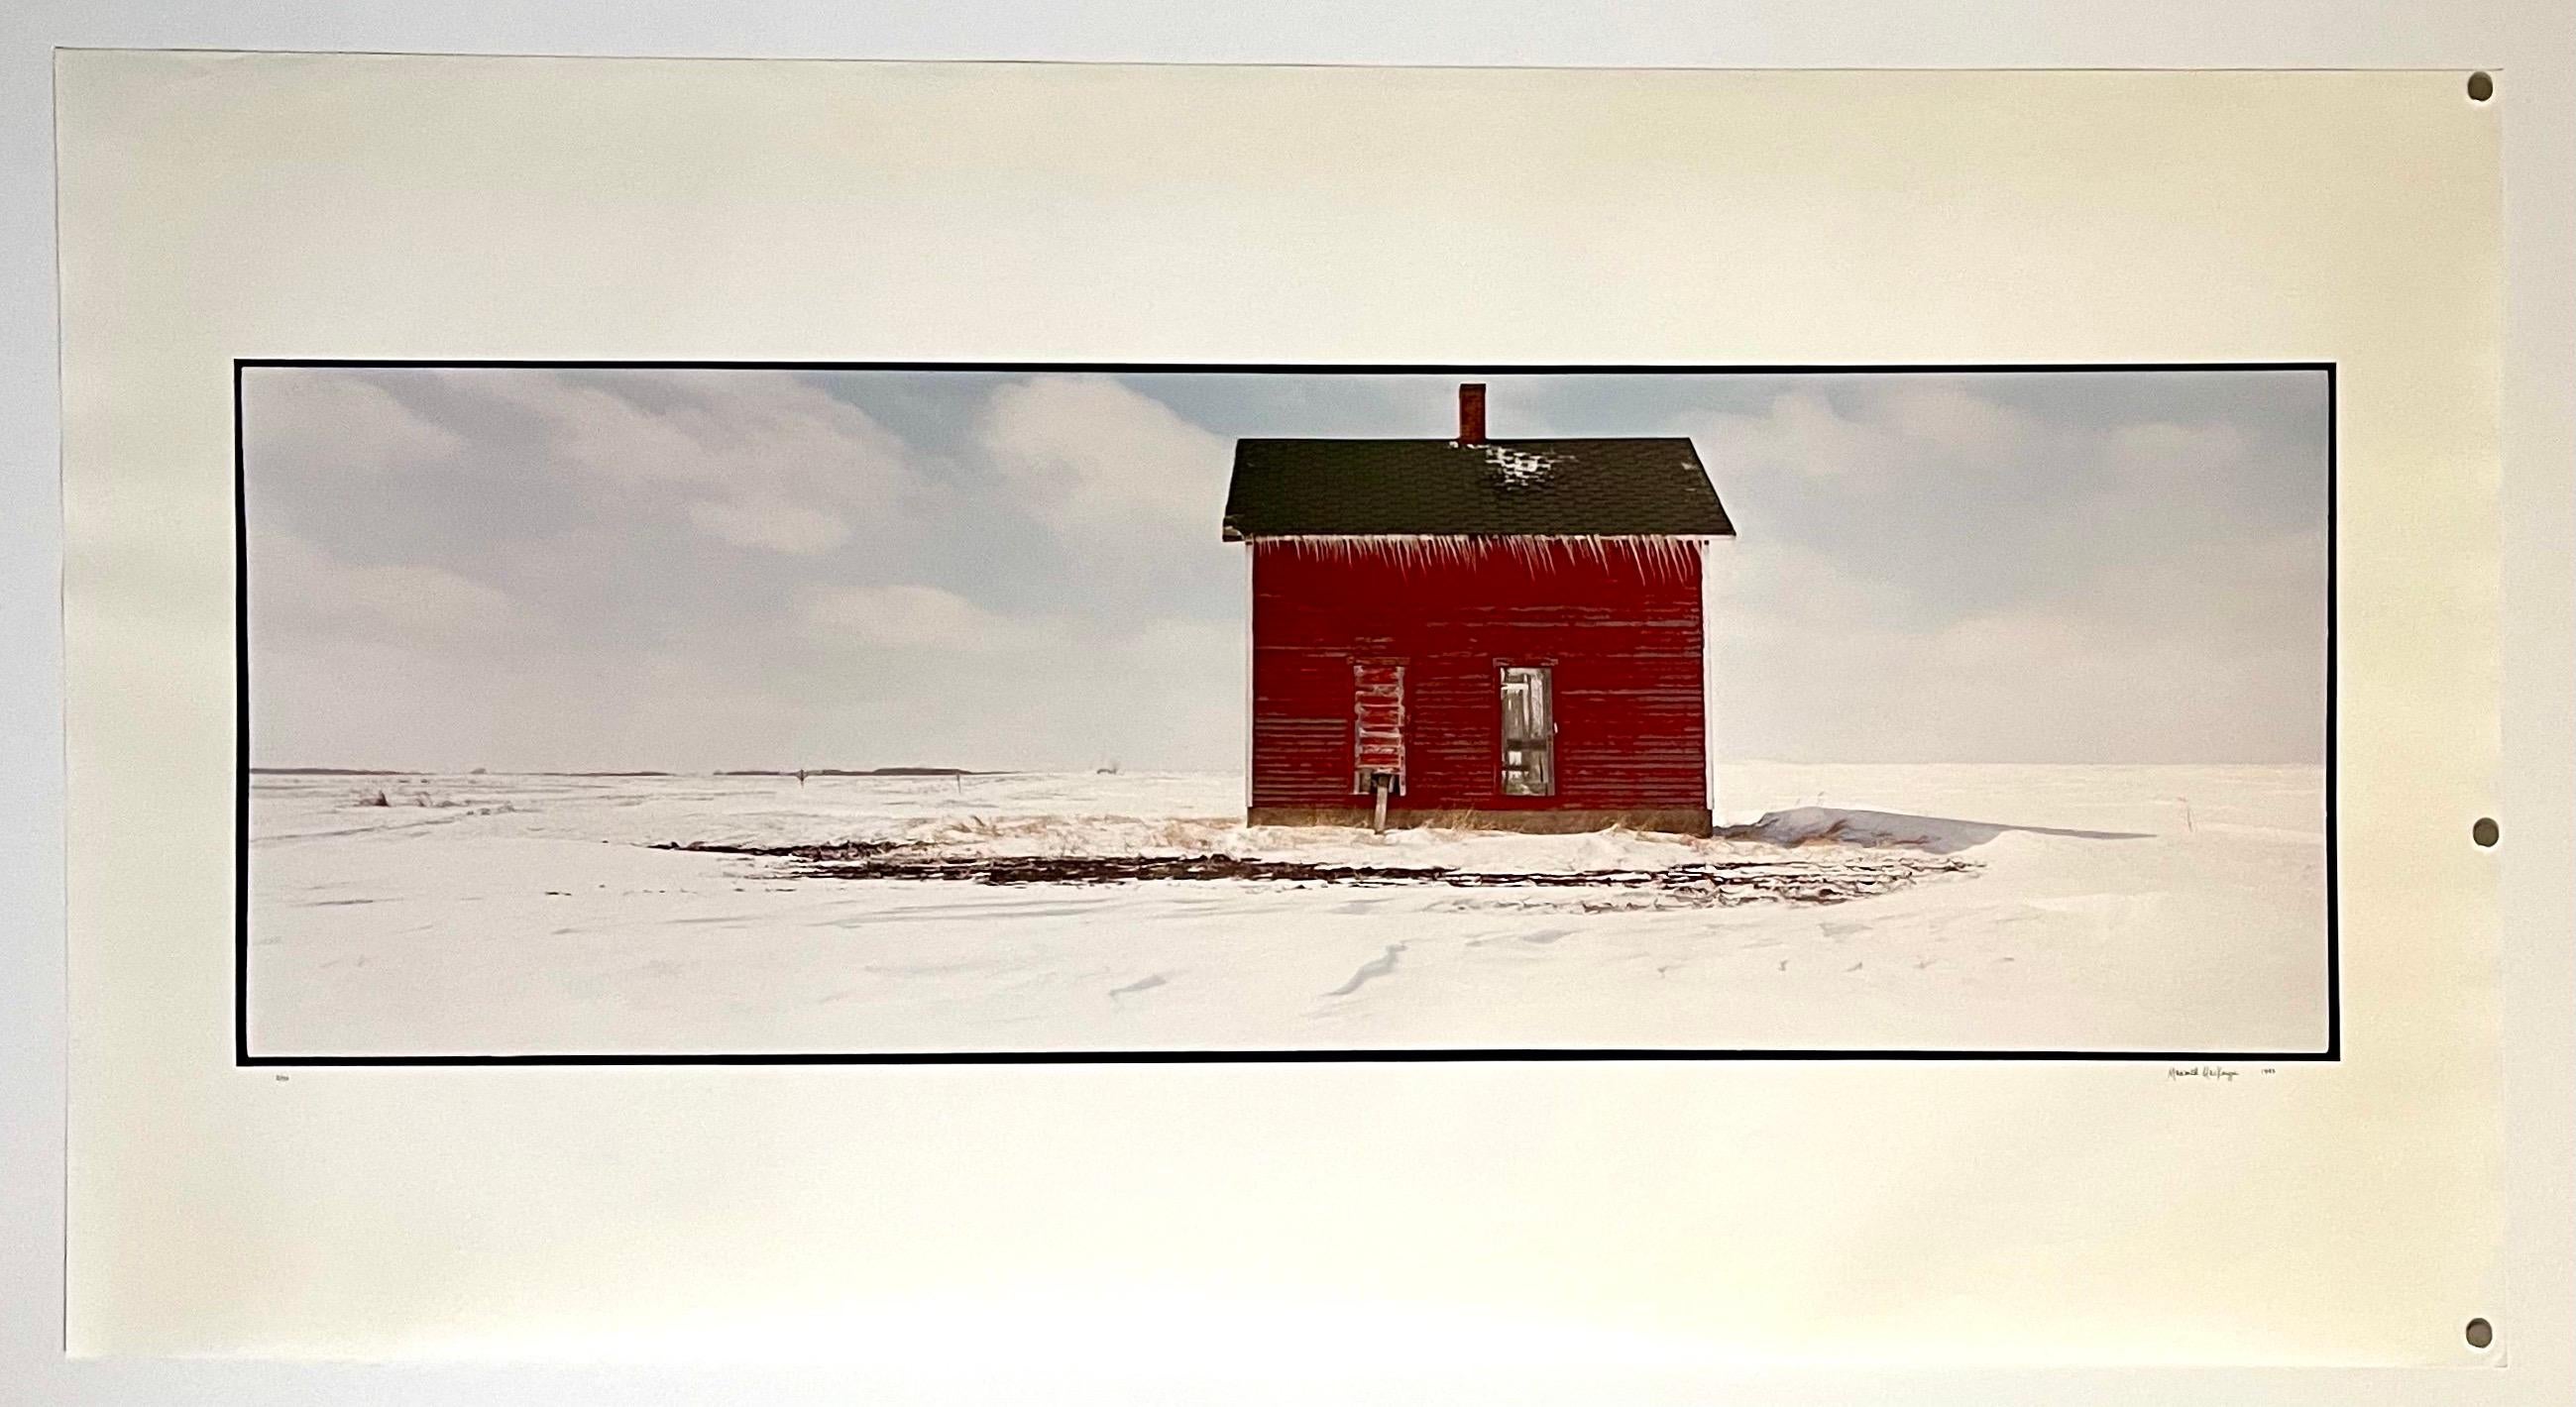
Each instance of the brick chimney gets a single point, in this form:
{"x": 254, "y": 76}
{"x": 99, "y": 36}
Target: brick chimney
{"x": 1471, "y": 413}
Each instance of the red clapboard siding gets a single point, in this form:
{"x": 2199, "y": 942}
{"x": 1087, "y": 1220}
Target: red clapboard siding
{"x": 1622, "y": 635}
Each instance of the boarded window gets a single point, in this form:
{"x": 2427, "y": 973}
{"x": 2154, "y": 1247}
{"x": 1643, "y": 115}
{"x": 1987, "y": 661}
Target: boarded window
{"x": 1529, "y": 731}
{"x": 1377, "y": 724}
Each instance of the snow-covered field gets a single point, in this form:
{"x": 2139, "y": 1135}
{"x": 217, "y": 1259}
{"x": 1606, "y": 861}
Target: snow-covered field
{"x": 2110, "y": 908}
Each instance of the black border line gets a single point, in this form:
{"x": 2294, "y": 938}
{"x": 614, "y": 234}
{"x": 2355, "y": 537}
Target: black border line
{"x": 2334, "y": 886}
{"x": 242, "y": 1057}
{"x": 241, "y": 740}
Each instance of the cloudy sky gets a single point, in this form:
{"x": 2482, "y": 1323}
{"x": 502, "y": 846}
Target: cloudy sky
{"x": 694, "y": 570}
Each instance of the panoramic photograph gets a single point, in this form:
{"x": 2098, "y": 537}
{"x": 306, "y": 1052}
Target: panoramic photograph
{"x": 859, "y": 712}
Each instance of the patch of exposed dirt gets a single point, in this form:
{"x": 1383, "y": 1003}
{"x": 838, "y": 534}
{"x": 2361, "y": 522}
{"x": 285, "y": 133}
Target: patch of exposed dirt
{"x": 836, "y": 851}
{"x": 1801, "y": 880}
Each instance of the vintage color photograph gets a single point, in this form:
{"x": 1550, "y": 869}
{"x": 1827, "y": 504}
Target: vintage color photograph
{"x": 906, "y": 713}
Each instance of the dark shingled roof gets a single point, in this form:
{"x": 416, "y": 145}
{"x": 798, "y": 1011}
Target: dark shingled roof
{"x": 1571, "y": 488}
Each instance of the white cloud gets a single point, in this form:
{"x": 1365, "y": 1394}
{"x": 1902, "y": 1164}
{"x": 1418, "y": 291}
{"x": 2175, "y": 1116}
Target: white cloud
{"x": 298, "y": 587}
{"x": 909, "y": 617}
{"x": 921, "y": 676}
{"x": 768, "y": 462}
{"x": 2158, "y": 454}
{"x": 1800, "y": 433}
{"x": 1809, "y": 665}
{"x": 1940, "y": 583}
{"x": 338, "y": 424}
{"x": 1954, "y": 421}
{"x": 1909, "y": 427}
{"x": 1101, "y": 459}
{"x": 771, "y": 523}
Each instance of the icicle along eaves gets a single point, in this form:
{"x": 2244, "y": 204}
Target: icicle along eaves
{"x": 1410, "y": 551}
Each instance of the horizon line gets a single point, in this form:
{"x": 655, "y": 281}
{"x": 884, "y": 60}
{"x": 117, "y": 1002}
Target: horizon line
{"x": 924, "y": 771}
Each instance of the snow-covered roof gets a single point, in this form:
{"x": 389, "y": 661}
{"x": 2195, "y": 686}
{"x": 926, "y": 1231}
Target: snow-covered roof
{"x": 1653, "y": 487}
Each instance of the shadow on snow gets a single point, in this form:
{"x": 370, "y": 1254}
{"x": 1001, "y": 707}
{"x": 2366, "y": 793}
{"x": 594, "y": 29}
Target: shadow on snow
{"x": 1935, "y": 835}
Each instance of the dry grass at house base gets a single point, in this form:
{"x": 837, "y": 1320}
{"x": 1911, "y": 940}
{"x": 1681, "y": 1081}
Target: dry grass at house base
{"x": 1673, "y": 820}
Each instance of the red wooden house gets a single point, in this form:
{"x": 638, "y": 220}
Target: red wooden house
{"x": 1481, "y": 632}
